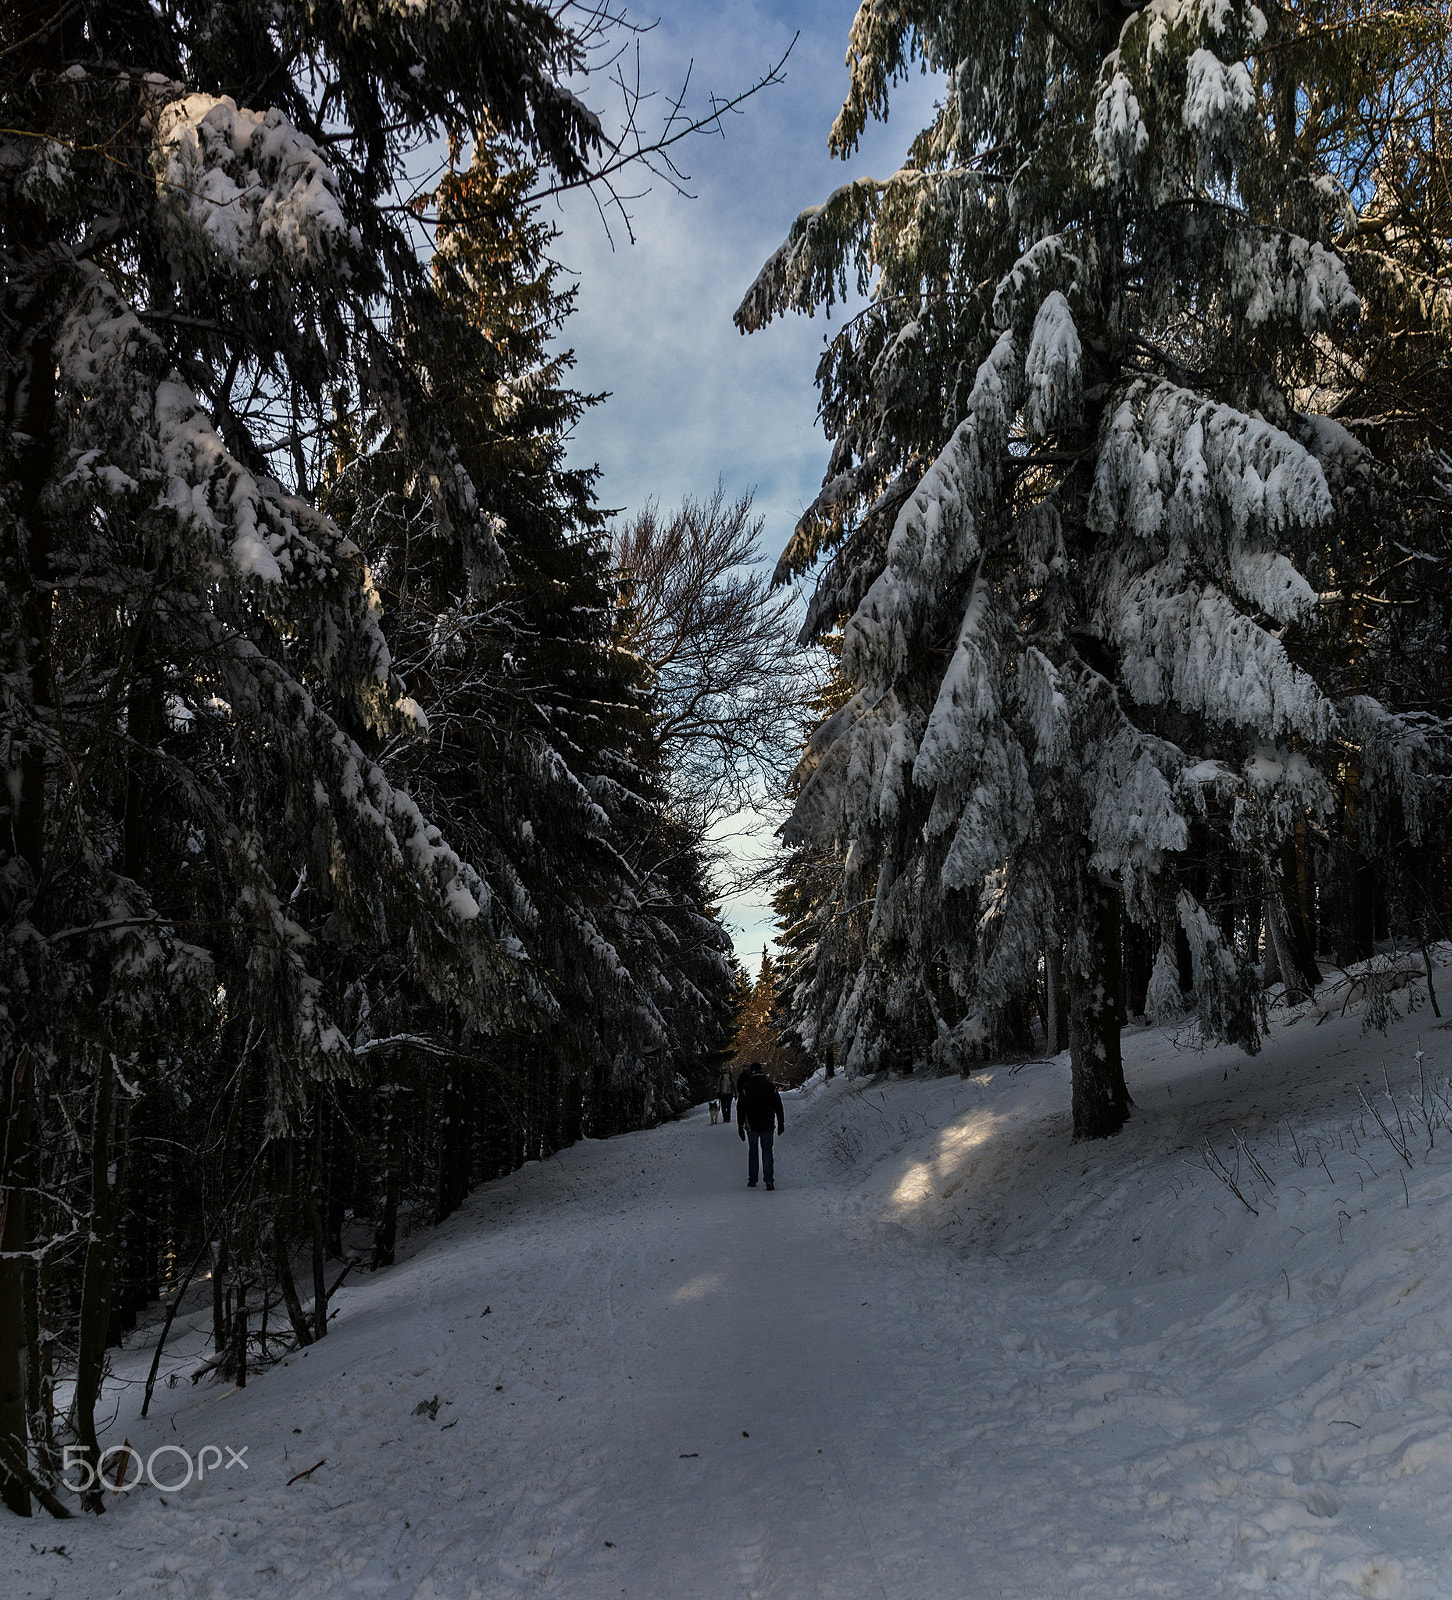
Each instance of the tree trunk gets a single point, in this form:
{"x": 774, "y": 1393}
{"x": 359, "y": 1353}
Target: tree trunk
{"x": 143, "y": 726}
{"x": 1057, "y": 1023}
{"x": 281, "y": 1202}
{"x": 1293, "y": 924}
{"x": 239, "y": 1333}
{"x": 1100, "y": 1097}
{"x": 451, "y": 1141}
{"x": 1139, "y": 960}
{"x": 1305, "y": 888}
{"x": 40, "y": 1337}
{"x": 221, "y": 1322}
{"x": 1355, "y": 941}
{"x": 1272, "y": 973}
{"x": 572, "y": 1109}
{"x": 1286, "y": 964}
{"x": 99, "y": 1270}
{"x": 30, "y": 420}
{"x": 385, "y": 1233}
{"x": 15, "y": 1357}
{"x": 319, "y": 1235}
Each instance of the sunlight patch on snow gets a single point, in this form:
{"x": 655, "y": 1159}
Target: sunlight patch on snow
{"x": 923, "y": 1180}
{"x": 700, "y": 1286}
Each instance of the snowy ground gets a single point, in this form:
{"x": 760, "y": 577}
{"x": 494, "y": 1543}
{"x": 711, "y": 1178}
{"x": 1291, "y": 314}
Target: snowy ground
{"x": 953, "y": 1355}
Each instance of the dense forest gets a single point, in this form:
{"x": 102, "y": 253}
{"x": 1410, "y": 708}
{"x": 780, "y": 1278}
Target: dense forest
{"x": 362, "y": 773}
{"x": 355, "y": 839}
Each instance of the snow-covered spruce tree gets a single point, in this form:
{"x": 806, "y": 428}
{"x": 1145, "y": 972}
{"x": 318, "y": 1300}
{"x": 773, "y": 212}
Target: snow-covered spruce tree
{"x": 199, "y": 247}
{"x": 1084, "y": 497}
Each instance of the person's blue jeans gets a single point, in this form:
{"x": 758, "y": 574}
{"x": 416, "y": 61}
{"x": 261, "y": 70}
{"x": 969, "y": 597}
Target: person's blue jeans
{"x": 764, "y": 1139}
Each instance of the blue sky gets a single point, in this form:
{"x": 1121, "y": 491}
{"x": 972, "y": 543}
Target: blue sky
{"x": 691, "y": 399}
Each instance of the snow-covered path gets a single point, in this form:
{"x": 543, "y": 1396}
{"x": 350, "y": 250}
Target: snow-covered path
{"x": 953, "y": 1355}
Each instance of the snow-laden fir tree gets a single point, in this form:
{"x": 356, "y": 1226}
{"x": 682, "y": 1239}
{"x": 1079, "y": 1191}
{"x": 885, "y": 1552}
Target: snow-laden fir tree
{"x": 1089, "y": 517}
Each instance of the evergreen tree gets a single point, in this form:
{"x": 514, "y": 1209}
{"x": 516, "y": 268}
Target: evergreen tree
{"x": 1086, "y": 495}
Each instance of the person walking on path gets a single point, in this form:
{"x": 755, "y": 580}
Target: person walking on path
{"x": 759, "y": 1116}
{"x": 726, "y": 1092}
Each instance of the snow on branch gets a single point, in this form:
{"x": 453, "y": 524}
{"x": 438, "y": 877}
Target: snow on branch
{"x": 809, "y": 267}
{"x": 969, "y": 754}
{"x": 1135, "y": 819}
{"x": 246, "y": 187}
{"x": 1223, "y": 483}
{"x": 1219, "y": 102}
{"x": 1054, "y": 369}
{"x": 1283, "y": 279}
{"x": 935, "y": 536}
{"x": 1050, "y": 262}
{"x": 969, "y": 703}
{"x": 1120, "y": 136}
{"x": 1189, "y": 643}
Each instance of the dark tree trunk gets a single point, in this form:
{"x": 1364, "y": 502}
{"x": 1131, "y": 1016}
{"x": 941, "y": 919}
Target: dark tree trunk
{"x": 315, "y": 1204}
{"x": 1100, "y": 1098}
{"x": 136, "y": 1276}
{"x": 385, "y": 1233}
{"x": 1306, "y": 899}
{"x": 1356, "y": 884}
{"x": 39, "y": 1325}
{"x": 1056, "y": 1001}
{"x": 30, "y": 419}
{"x": 451, "y": 1141}
{"x": 1225, "y": 884}
{"x": 239, "y": 1334}
{"x": 29, "y": 423}
{"x": 281, "y": 1248}
{"x": 221, "y": 1271}
{"x": 99, "y": 1272}
{"x": 572, "y": 1109}
{"x": 1012, "y": 1030}
{"x": 16, "y": 1355}
{"x": 1139, "y": 958}
{"x": 1294, "y": 923}
{"x": 143, "y": 725}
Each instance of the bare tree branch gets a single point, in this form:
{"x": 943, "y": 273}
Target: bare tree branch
{"x": 730, "y": 688}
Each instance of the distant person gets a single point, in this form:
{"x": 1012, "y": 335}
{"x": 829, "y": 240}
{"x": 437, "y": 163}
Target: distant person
{"x": 759, "y": 1116}
{"x": 726, "y": 1093}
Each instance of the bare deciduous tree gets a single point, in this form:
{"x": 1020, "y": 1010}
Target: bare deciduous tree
{"x": 729, "y": 684}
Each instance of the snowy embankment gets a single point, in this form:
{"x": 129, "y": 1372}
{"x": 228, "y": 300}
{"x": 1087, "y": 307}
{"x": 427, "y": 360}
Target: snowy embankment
{"x": 954, "y": 1355}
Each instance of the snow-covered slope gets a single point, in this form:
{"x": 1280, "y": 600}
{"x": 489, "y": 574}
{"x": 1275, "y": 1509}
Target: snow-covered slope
{"x": 953, "y": 1355}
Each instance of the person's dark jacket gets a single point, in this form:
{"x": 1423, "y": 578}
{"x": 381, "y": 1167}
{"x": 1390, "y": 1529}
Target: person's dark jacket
{"x": 758, "y": 1104}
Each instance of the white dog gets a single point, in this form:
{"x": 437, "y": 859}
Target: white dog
{"x": 715, "y": 1112}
